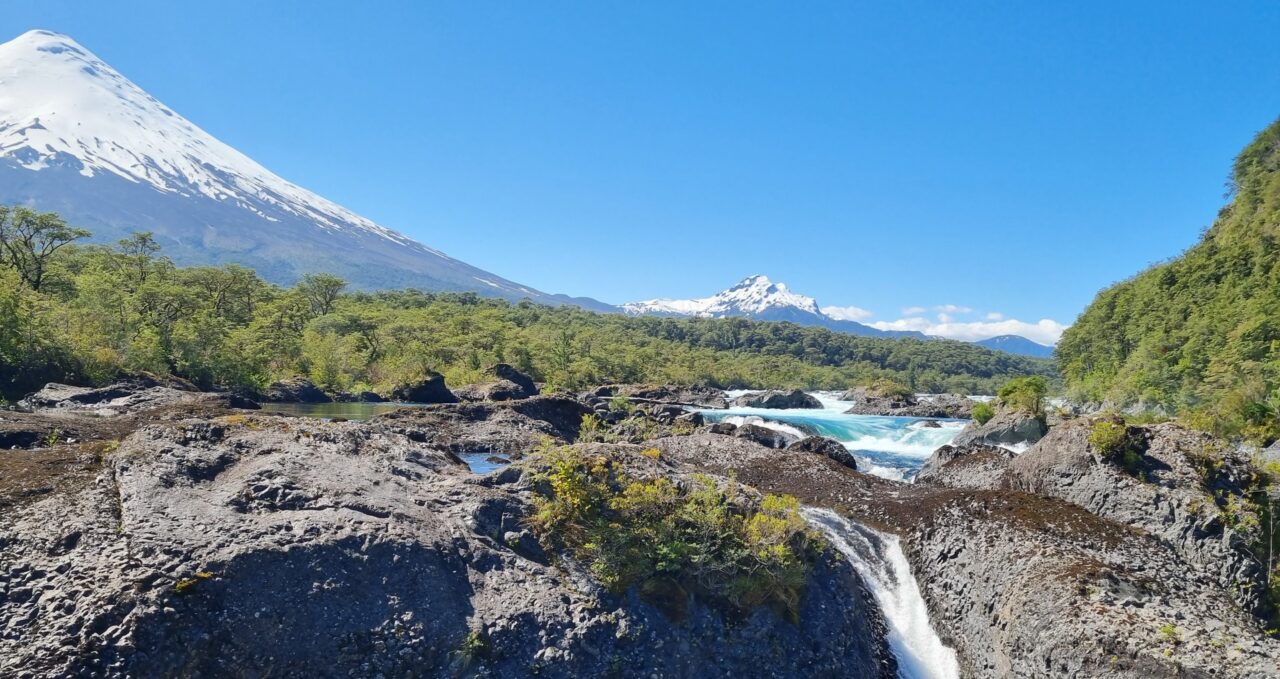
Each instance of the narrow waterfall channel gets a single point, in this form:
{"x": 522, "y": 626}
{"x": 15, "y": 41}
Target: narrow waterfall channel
{"x": 879, "y": 559}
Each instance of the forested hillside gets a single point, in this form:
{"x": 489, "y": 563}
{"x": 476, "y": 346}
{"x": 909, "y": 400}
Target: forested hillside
{"x": 85, "y": 314}
{"x": 1199, "y": 334}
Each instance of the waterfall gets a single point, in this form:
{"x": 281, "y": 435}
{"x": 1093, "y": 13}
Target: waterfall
{"x": 879, "y": 559}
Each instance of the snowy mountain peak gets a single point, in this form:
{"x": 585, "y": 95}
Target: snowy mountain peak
{"x": 80, "y": 139}
{"x": 753, "y": 296}
{"x": 60, "y": 105}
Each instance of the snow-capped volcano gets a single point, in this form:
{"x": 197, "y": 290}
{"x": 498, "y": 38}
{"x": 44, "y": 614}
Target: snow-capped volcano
{"x": 754, "y": 295}
{"x": 80, "y": 139}
{"x": 758, "y": 298}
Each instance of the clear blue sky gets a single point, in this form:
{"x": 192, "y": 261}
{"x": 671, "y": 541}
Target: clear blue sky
{"x": 1004, "y": 156}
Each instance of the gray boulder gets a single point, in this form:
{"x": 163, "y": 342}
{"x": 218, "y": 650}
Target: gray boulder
{"x": 971, "y": 466}
{"x": 296, "y": 390}
{"x": 502, "y": 390}
{"x": 1009, "y": 427}
{"x": 778, "y": 400}
{"x": 430, "y": 389}
{"x": 867, "y": 402}
{"x": 698, "y": 396}
{"x": 511, "y": 384}
{"x": 770, "y": 438}
{"x": 821, "y": 445}
{"x": 358, "y": 397}
{"x": 502, "y": 371}
{"x": 510, "y": 427}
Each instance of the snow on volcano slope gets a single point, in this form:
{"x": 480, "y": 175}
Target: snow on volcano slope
{"x": 78, "y": 138}
{"x": 758, "y": 298}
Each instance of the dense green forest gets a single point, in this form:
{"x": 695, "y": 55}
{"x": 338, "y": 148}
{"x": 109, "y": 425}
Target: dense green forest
{"x": 1199, "y": 334}
{"x": 85, "y": 314}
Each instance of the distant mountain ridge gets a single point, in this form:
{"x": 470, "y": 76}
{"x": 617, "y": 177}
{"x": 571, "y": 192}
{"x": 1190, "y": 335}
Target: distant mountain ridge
{"x": 80, "y": 139}
{"x": 758, "y": 298}
{"x": 1016, "y": 344}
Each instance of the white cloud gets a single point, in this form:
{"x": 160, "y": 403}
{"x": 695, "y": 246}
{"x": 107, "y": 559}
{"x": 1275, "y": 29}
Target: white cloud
{"x": 995, "y": 316}
{"x": 847, "y": 313}
{"x": 952, "y": 309}
{"x": 913, "y": 311}
{"x": 944, "y": 318}
{"x": 1044, "y": 331}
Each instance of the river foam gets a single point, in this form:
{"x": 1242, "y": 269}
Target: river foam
{"x": 889, "y": 447}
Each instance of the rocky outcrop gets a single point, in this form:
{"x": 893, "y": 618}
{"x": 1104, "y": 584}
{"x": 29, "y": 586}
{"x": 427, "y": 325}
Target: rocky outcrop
{"x": 503, "y": 371}
{"x": 777, "y": 399}
{"x": 770, "y": 438}
{"x": 295, "y": 390}
{"x": 821, "y": 445}
{"x": 502, "y": 390}
{"x": 971, "y": 466}
{"x": 867, "y": 402}
{"x": 1182, "y": 487}
{"x": 1018, "y": 584}
{"x": 286, "y": 547}
{"x": 510, "y": 427}
{"x": 1009, "y": 427}
{"x": 697, "y": 396}
{"x": 430, "y": 389}
{"x": 510, "y": 384}
{"x": 358, "y": 397}
{"x": 134, "y": 394}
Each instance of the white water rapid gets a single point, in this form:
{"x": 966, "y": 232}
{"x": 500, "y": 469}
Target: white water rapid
{"x": 879, "y": 559}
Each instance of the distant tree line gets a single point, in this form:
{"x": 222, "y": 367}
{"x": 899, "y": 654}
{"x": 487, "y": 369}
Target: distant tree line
{"x": 87, "y": 313}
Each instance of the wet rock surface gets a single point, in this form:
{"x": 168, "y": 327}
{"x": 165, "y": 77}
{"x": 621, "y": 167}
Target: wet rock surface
{"x": 831, "y": 448}
{"x": 777, "y": 400}
{"x": 866, "y": 402}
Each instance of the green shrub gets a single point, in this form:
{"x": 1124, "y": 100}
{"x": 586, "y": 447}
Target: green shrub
{"x": 589, "y": 431}
{"x": 983, "y": 412}
{"x": 621, "y": 404}
{"x": 671, "y": 539}
{"x": 887, "y": 388}
{"x": 1025, "y": 394}
{"x": 1113, "y": 441}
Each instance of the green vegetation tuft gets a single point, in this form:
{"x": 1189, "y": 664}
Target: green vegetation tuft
{"x": 670, "y": 540}
{"x": 983, "y": 412}
{"x": 1025, "y": 394}
{"x": 887, "y": 388}
{"x": 1113, "y": 440}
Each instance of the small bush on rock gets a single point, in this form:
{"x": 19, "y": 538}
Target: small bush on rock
{"x": 669, "y": 539}
{"x": 886, "y": 388}
{"x": 1025, "y": 394}
{"x": 1113, "y": 441}
{"x": 983, "y": 412}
